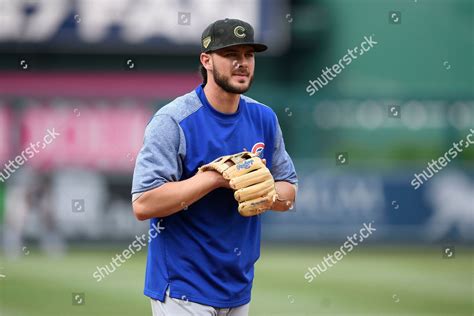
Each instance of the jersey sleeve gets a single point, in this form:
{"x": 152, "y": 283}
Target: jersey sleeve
{"x": 282, "y": 166}
{"x": 160, "y": 159}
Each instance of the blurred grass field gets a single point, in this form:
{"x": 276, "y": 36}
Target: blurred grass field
{"x": 368, "y": 281}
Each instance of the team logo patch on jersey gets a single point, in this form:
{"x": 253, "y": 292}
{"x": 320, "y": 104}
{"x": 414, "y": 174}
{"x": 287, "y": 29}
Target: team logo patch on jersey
{"x": 258, "y": 149}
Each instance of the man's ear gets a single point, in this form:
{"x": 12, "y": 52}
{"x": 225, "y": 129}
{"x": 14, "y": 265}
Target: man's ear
{"x": 206, "y": 60}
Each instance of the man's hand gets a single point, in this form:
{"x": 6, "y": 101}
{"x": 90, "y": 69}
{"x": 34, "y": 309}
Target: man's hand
{"x": 221, "y": 182}
{"x": 286, "y": 196}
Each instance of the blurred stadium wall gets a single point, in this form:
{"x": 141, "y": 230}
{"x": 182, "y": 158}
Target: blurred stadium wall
{"x": 97, "y": 70}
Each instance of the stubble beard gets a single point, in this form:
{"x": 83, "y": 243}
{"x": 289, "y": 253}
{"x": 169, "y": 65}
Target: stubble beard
{"x": 224, "y": 82}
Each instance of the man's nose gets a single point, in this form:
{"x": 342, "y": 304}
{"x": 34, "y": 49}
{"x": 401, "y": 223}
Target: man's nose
{"x": 240, "y": 61}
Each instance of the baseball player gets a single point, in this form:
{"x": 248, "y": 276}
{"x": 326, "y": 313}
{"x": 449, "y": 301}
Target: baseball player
{"x": 212, "y": 161}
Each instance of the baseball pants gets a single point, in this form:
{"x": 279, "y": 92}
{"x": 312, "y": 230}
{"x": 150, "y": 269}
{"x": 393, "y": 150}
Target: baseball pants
{"x": 177, "y": 307}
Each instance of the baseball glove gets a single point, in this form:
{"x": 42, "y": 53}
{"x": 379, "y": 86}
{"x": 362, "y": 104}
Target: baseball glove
{"x": 250, "y": 178}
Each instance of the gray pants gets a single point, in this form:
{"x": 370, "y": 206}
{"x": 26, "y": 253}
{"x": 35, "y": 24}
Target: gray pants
{"x": 177, "y": 307}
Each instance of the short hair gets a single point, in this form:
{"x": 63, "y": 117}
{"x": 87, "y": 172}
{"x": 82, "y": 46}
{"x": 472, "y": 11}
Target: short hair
{"x": 203, "y": 72}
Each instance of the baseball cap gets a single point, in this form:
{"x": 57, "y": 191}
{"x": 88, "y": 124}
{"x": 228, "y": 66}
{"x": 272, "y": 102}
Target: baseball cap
{"x": 226, "y": 33}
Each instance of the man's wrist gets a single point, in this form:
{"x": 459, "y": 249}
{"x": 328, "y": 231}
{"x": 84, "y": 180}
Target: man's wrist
{"x": 216, "y": 178}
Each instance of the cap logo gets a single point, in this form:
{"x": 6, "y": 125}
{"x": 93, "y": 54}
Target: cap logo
{"x": 239, "y": 31}
{"x": 206, "y": 42}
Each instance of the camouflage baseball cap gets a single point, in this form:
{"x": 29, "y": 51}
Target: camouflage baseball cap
{"x": 226, "y": 33}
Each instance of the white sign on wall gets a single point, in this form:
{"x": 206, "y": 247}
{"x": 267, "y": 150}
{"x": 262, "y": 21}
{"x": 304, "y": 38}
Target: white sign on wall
{"x": 163, "y": 25}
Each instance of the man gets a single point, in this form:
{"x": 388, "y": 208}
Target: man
{"x": 202, "y": 263}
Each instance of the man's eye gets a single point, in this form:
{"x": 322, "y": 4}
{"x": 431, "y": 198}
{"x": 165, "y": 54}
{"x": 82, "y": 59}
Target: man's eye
{"x": 249, "y": 55}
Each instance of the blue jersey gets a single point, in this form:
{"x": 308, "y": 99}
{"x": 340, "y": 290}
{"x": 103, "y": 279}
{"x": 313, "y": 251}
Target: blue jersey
{"x": 206, "y": 253}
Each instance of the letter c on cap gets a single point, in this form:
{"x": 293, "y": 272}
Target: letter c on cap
{"x": 239, "y": 31}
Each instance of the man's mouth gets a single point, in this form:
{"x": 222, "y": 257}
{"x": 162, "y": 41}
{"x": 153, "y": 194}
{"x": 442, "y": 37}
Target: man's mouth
{"x": 241, "y": 75}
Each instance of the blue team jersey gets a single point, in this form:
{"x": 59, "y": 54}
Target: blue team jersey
{"x": 206, "y": 253}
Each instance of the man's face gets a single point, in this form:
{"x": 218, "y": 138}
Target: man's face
{"x": 233, "y": 68}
